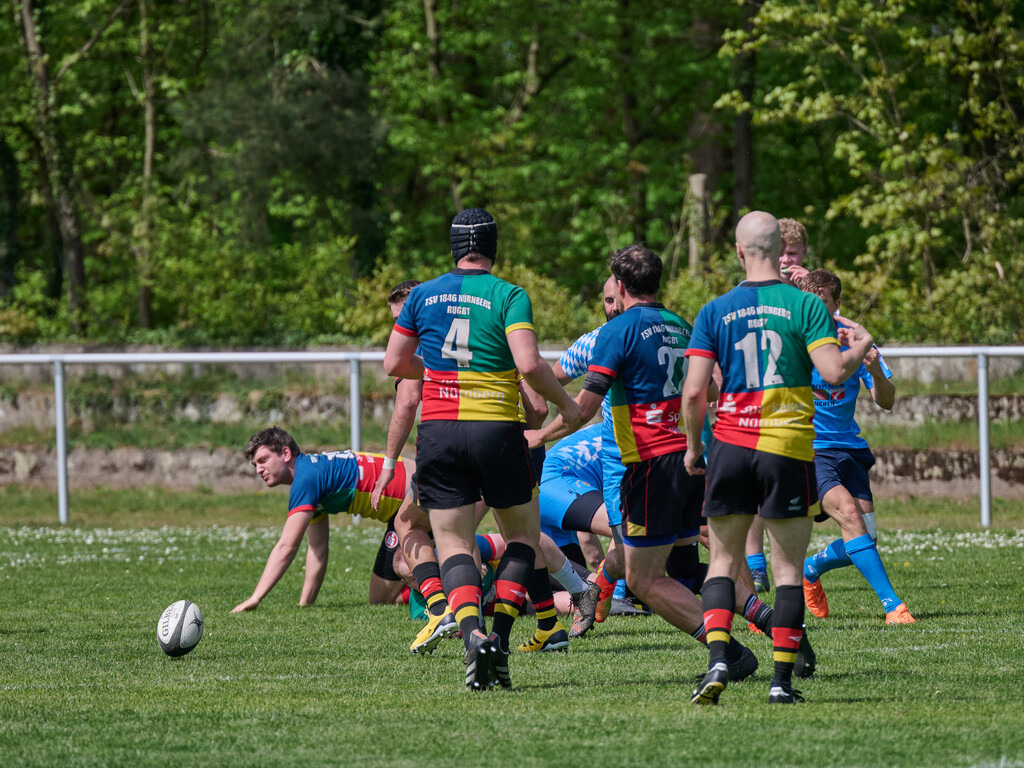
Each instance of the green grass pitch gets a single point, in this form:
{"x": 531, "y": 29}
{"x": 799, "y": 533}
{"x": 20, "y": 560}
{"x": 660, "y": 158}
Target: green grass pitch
{"x": 83, "y": 683}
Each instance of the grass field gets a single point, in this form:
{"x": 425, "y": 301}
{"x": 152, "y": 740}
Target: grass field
{"x": 83, "y": 683}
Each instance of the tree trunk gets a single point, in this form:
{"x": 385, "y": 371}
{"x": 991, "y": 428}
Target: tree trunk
{"x": 55, "y": 173}
{"x": 144, "y": 226}
{"x": 636, "y": 172}
{"x": 707, "y": 132}
{"x": 8, "y": 216}
{"x": 742, "y": 128}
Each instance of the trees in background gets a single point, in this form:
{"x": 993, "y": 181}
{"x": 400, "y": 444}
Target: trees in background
{"x": 206, "y": 171}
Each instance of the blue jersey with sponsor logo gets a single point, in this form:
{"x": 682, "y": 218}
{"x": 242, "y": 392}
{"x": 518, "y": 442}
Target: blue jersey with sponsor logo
{"x": 642, "y": 352}
{"x": 835, "y": 408}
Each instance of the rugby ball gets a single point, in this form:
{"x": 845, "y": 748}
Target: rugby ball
{"x": 180, "y": 628}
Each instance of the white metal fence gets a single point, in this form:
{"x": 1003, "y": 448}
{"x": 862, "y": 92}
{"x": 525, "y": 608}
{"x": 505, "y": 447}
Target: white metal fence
{"x": 354, "y": 359}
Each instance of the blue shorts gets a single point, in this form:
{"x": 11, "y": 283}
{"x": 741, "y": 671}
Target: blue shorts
{"x": 560, "y": 536}
{"x": 568, "y": 503}
{"x": 847, "y": 467}
{"x": 612, "y": 470}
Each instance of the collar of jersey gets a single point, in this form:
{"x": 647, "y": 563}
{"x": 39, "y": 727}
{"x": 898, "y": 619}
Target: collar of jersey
{"x": 460, "y": 271}
{"x": 761, "y": 283}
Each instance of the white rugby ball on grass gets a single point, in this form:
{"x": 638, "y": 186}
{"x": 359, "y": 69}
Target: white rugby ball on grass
{"x": 180, "y": 628}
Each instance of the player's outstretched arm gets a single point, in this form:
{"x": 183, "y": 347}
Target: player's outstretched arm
{"x": 589, "y": 404}
{"x": 318, "y": 539}
{"x": 408, "y": 394}
{"x": 280, "y": 558}
{"x": 523, "y": 345}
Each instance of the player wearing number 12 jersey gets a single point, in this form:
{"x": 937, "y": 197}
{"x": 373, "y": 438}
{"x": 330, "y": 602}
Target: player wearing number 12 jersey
{"x": 475, "y": 334}
{"x": 767, "y": 337}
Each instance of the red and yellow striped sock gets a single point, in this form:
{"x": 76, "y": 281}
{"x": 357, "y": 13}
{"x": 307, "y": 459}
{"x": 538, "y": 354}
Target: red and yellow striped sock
{"x": 461, "y": 580}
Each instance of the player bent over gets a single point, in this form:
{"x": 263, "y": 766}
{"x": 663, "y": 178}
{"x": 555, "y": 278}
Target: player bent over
{"x": 841, "y": 462}
{"x": 322, "y": 484}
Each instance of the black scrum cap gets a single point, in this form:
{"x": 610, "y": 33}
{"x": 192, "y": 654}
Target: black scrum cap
{"x": 474, "y": 231}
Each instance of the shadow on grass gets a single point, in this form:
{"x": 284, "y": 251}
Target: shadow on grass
{"x": 26, "y": 631}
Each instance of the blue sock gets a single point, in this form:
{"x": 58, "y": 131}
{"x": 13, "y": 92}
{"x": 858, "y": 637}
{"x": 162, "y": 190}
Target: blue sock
{"x": 864, "y": 554}
{"x": 831, "y": 557}
{"x": 757, "y": 562}
{"x": 620, "y": 589}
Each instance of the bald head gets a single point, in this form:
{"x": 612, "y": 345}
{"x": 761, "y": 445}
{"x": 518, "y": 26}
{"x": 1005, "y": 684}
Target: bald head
{"x": 758, "y": 235}
{"x": 759, "y": 243}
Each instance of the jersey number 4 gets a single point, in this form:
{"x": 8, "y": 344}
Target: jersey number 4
{"x": 771, "y": 341}
{"x": 456, "y": 343}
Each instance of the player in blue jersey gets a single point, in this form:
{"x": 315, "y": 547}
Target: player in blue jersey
{"x": 640, "y": 362}
{"x": 572, "y": 501}
{"x": 841, "y": 462}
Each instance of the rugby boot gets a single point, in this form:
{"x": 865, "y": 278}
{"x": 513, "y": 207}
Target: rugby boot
{"x": 478, "y": 662}
{"x": 783, "y": 693}
{"x": 436, "y": 630}
{"x": 554, "y": 639}
{"x": 814, "y": 597}
{"x": 584, "y": 610}
{"x": 711, "y": 685}
{"x": 899, "y": 615}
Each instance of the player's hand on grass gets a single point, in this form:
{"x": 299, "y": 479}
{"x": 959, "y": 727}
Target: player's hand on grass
{"x": 692, "y": 457}
{"x": 246, "y": 605}
{"x": 386, "y": 476}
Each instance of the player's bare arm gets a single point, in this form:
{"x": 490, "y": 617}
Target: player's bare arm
{"x": 884, "y": 391}
{"x": 695, "y": 395}
{"x": 837, "y": 366}
{"x": 318, "y": 544}
{"x": 523, "y": 345}
{"x": 280, "y": 558}
{"x": 589, "y": 404}
{"x": 408, "y": 394}
{"x": 400, "y": 358}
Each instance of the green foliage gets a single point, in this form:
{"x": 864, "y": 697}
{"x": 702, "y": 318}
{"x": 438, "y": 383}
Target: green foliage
{"x": 302, "y": 150}
{"x": 908, "y": 104}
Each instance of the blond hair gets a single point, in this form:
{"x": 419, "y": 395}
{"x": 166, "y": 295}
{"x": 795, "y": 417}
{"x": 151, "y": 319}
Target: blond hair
{"x": 793, "y": 232}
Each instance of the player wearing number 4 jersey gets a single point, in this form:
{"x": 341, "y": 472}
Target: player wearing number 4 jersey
{"x": 476, "y": 337}
{"x": 767, "y": 337}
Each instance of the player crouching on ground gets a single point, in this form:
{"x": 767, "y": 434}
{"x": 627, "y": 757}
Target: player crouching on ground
{"x": 323, "y": 484}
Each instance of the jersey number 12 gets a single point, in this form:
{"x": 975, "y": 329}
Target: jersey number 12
{"x": 771, "y": 341}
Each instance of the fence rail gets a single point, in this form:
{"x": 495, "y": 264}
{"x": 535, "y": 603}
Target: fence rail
{"x": 355, "y": 359}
